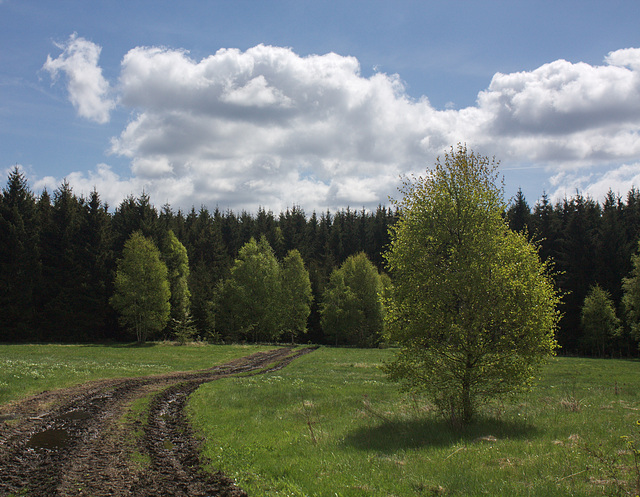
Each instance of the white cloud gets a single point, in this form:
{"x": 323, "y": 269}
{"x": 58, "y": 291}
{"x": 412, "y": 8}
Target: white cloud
{"x": 563, "y": 113}
{"x": 111, "y": 188}
{"x": 88, "y": 90}
{"x": 267, "y": 127}
{"x": 596, "y": 183}
{"x": 627, "y": 57}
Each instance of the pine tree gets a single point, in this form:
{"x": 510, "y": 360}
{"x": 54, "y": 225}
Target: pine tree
{"x": 65, "y": 266}
{"x": 209, "y": 264}
{"x": 19, "y": 260}
{"x": 519, "y": 214}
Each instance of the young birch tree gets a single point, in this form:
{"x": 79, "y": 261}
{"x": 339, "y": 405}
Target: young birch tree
{"x": 351, "y": 311}
{"x": 599, "y": 320}
{"x": 631, "y": 297}
{"x": 296, "y": 295}
{"x": 142, "y": 292}
{"x": 472, "y": 306}
{"x": 249, "y": 301}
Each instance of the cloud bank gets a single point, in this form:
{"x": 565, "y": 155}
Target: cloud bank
{"x": 268, "y": 127}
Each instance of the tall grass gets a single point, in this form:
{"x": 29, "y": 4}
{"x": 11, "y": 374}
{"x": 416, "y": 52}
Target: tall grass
{"x": 28, "y": 369}
{"x": 330, "y": 424}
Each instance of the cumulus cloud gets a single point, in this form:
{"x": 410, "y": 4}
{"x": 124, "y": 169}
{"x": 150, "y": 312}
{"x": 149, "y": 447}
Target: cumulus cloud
{"x": 596, "y": 183}
{"x": 267, "y": 127}
{"x": 565, "y": 113}
{"x": 88, "y": 89}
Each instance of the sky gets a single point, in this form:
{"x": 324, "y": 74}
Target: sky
{"x": 323, "y": 105}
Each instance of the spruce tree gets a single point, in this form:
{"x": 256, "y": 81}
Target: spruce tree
{"x": 19, "y": 260}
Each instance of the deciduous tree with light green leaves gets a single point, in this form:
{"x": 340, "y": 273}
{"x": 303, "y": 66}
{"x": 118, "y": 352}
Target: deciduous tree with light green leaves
{"x": 351, "y": 311}
{"x": 175, "y": 257}
{"x": 472, "y": 307}
{"x": 142, "y": 292}
{"x": 631, "y": 297}
{"x": 249, "y": 301}
{"x": 296, "y": 295}
{"x": 599, "y": 320}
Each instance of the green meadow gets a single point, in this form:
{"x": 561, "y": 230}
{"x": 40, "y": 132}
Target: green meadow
{"x": 329, "y": 424}
{"x": 29, "y": 369}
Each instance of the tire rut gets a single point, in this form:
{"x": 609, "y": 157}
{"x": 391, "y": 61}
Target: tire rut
{"x": 77, "y": 441}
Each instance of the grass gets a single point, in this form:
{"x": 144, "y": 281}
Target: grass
{"x": 28, "y": 369}
{"x": 329, "y": 424}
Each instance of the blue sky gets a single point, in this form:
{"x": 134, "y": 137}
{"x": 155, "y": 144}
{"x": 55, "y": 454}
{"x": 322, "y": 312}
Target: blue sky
{"x": 319, "y": 104}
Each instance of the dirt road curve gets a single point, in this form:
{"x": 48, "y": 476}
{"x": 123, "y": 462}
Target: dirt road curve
{"x": 84, "y": 440}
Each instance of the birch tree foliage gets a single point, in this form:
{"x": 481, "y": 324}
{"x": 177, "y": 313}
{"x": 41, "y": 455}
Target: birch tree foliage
{"x": 296, "y": 295}
{"x": 631, "y": 297}
{"x": 141, "y": 295}
{"x": 472, "y": 306}
{"x": 249, "y": 301}
{"x": 599, "y": 320}
{"x": 351, "y": 311}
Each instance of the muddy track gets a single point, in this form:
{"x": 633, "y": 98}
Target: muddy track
{"x": 84, "y": 441}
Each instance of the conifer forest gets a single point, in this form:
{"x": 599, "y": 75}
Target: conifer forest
{"x": 59, "y": 254}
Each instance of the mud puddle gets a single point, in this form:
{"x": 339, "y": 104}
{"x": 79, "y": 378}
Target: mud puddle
{"x": 55, "y": 438}
{"x": 59, "y": 436}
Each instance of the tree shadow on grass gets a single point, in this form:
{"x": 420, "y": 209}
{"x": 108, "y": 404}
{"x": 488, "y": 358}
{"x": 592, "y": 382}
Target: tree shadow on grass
{"x": 391, "y": 436}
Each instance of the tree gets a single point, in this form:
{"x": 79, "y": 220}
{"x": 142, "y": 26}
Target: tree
{"x": 134, "y": 215}
{"x": 209, "y": 264}
{"x": 296, "y": 295}
{"x": 97, "y": 238}
{"x": 65, "y": 293}
{"x": 519, "y": 213}
{"x": 599, "y": 320}
{"x": 631, "y": 297}
{"x": 575, "y": 260}
{"x": 613, "y": 257}
{"x": 174, "y": 255}
{"x": 141, "y": 288}
{"x": 472, "y": 306}
{"x": 351, "y": 309}
{"x": 19, "y": 260}
{"x": 248, "y": 304}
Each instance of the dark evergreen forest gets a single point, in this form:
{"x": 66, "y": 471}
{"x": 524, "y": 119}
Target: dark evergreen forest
{"x": 58, "y": 254}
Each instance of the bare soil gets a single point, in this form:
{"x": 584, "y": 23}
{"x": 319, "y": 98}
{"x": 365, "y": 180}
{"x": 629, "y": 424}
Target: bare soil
{"x": 86, "y": 441}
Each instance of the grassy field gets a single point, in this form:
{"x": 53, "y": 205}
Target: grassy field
{"x": 329, "y": 424}
{"x": 27, "y": 369}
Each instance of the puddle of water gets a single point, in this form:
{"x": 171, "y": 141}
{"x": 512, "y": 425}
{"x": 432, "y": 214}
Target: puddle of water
{"x": 49, "y": 439}
{"x": 75, "y": 415}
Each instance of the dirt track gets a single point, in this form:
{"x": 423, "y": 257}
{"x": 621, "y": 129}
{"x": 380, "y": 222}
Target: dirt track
{"x": 80, "y": 441}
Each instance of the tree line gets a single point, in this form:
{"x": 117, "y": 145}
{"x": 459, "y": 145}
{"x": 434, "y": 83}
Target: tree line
{"x": 591, "y": 247}
{"x": 59, "y": 256}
